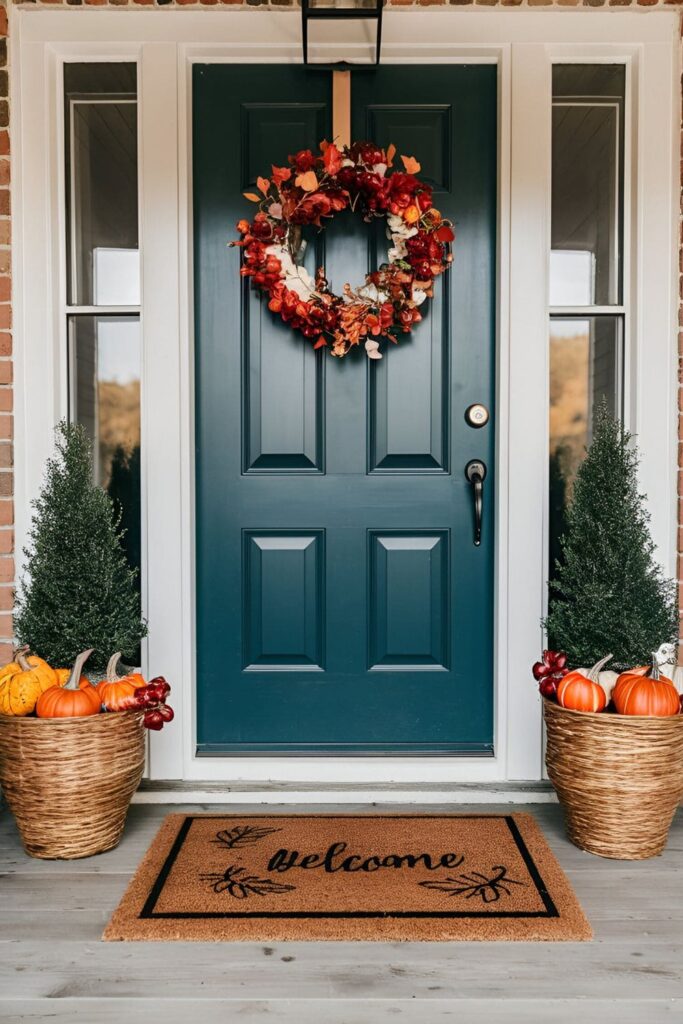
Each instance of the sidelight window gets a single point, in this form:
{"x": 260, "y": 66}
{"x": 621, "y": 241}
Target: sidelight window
{"x": 586, "y": 279}
{"x": 103, "y": 277}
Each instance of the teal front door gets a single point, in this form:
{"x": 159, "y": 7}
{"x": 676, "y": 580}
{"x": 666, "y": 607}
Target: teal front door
{"x": 342, "y": 603}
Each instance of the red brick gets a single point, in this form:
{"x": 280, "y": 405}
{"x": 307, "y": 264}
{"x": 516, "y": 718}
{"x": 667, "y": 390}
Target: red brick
{"x": 6, "y": 513}
{"x": 5, "y": 316}
{"x": 6, "y": 570}
{"x": 5, "y": 343}
{"x": 5, "y": 289}
{"x": 6, "y": 455}
{"x": 6, "y": 598}
{"x": 6, "y": 652}
{"x": 6, "y": 430}
{"x": 6, "y": 371}
{"x": 3, "y": 21}
{"x": 6, "y": 399}
{"x": 6, "y": 626}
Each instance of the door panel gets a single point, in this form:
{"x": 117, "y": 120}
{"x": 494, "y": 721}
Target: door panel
{"x": 341, "y": 602}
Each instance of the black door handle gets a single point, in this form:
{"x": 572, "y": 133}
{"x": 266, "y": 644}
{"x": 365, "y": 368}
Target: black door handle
{"x": 475, "y": 471}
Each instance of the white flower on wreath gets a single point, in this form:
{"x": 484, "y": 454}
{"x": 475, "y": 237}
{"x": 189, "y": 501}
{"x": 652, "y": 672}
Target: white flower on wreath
{"x": 398, "y": 251}
{"x": 372, "y": 293}
{"x": 398, "y": 229}
{"x": 295, "y": 278}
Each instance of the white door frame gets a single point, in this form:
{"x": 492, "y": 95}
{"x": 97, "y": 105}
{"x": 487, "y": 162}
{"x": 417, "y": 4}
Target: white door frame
{"x": 523, "y": 45}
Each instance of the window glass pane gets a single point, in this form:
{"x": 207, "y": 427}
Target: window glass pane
{"x": 102, "y": 184}
{"x": 587, "y": 173}
{"x": 585, "y": 367}
{"x": 104, "y": 367}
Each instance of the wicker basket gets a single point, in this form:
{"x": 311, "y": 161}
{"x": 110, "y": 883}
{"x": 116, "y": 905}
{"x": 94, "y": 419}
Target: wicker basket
{"x": 69, "y": 781}
{"x": 619, "y": 778}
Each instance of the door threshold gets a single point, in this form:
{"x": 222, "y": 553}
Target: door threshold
{"x": 173, "y": 792}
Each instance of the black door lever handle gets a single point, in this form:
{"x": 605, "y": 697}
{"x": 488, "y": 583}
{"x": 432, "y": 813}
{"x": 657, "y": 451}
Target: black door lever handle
{"x": 475, "y": 471}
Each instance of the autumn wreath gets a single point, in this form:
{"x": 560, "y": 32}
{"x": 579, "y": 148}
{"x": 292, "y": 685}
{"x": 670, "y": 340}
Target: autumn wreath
{"x": 356, "y": 177}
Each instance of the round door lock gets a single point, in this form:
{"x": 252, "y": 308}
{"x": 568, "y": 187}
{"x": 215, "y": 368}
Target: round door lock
{"x": 477, "y": 415}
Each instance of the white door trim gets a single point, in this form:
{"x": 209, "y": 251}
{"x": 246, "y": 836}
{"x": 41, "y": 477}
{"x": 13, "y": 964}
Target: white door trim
{"x": 523, "y": 44}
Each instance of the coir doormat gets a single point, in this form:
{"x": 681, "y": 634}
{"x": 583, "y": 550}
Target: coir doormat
{"x": 396, "y": 876}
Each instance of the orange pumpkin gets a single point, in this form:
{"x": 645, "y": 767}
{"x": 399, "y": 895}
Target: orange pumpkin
{"x": 23, "y": 681}
{"x": 581, "y": 691}
{"x": 115, "y": 691}
{"x": 648, "y": 694}
{"x": 63, "y": 675}
{"x": 77, "y": 699}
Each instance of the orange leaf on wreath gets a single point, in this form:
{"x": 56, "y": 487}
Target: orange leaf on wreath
{"x": 280, "y": 174}
{"x": 332, "y": 159}
{"x": 391, "y": 153}
{"x": 307, "y": 181}
{"x": 252, "y": 196}
{"x": 320, "y": 343}
{"x": 263, "y": 185}
{"x": 411, "y": 165}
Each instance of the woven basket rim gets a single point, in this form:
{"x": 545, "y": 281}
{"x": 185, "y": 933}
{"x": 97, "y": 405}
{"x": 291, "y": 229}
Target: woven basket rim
{"x": 33, "y": 721}
{"x": 610, "y": 715}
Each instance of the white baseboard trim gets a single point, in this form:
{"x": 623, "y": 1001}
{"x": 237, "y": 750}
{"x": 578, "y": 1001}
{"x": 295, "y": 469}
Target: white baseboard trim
{"x": 276, "y": 793}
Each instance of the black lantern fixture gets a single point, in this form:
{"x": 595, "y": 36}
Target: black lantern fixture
{"x": 369, "y": 10}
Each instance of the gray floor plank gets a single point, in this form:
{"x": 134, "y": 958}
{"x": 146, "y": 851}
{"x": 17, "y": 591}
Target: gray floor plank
{"x": 300, "y": 1011}
{"x": 343, "y": 970}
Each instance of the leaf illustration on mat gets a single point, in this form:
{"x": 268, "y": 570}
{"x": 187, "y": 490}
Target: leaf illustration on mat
{"x": 240, "y": 885}
{"x": 242, "y": 835}
{"x": 475, "y": 884}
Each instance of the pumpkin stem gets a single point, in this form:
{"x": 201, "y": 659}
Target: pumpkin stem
{"x": 112, "y": 676}
{"x": 653, "y": 671}
{"x": 595, "y": 671}
{"x": 75, "y": 677}
{"x": 21, "y": 658}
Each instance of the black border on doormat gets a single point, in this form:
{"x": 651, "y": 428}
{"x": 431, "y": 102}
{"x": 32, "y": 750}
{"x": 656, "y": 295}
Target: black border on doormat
{"x": 148, "y": 911}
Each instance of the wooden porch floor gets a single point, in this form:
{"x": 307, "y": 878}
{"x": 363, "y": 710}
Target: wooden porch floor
{"x": 54, "y": 968}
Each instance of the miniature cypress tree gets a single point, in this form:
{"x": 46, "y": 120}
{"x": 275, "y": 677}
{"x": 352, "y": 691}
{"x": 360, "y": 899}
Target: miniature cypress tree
{"x": 79, "y": 590}
{"x": 609, "y": 594}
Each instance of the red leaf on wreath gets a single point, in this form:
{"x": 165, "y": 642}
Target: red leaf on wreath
{"x": 332, "y": 159}
{"x": 252, "y": 196}
{"x": 411, "y": 165}
{"x": 444, "y": 234}
{"x": 280, "y": 174}
{"x": 263, "y": 185}
{"x": 307, "y": 181}
{"x": 303, "y": 160}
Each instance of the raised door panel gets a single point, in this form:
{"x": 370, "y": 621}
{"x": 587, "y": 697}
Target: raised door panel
{"x": 282, "y": 403}
{"x": 408, "y": 416}
{"x": 409, "y": 600}
{"x": 283, "y": 600}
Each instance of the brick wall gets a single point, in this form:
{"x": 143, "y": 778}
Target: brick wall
{"x": 6, "y": 394}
